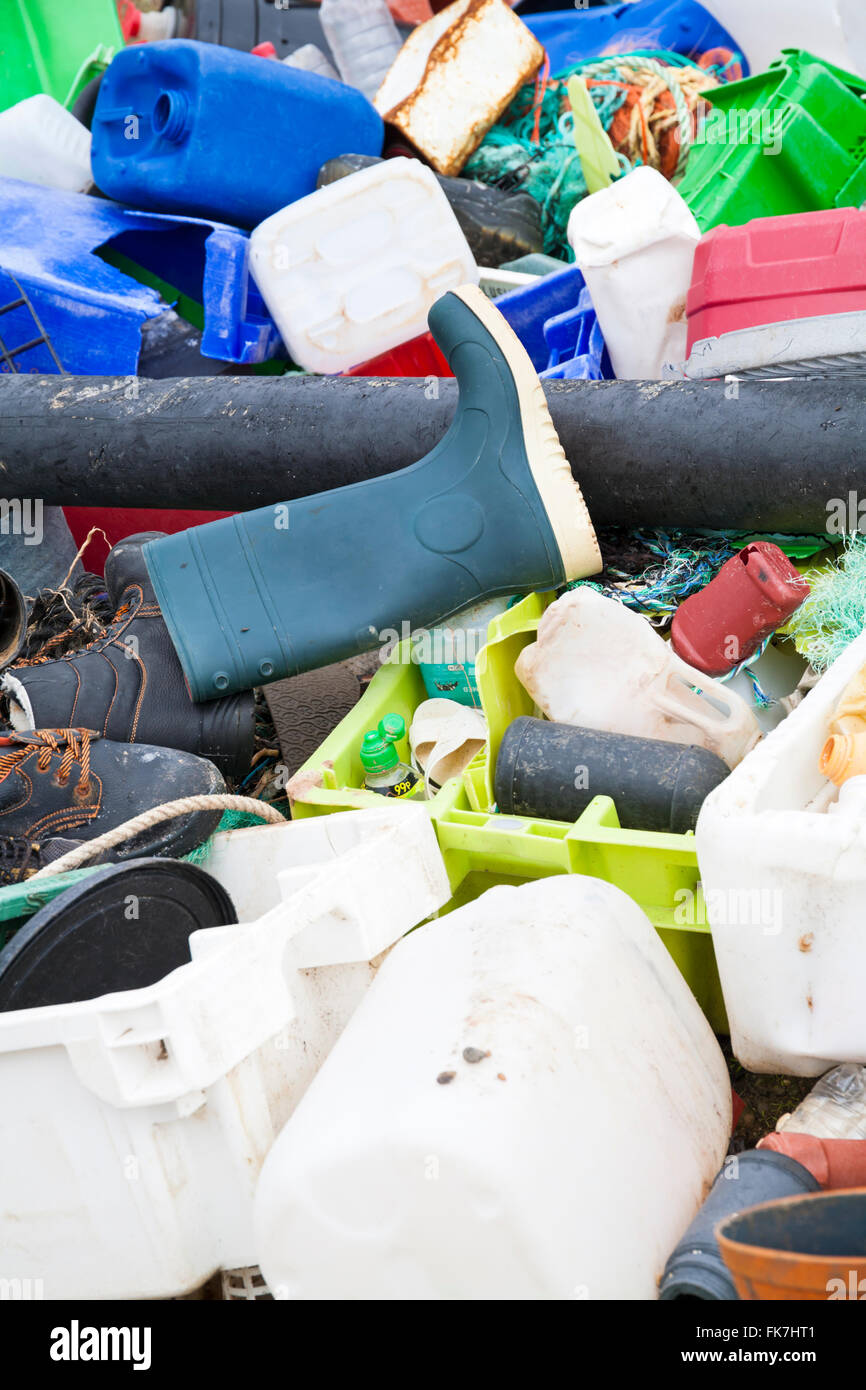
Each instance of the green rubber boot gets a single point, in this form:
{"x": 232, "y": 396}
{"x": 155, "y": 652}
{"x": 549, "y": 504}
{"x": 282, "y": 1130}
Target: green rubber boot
{"x": 493, "y": 509}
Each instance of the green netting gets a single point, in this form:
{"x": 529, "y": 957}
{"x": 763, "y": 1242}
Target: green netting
{"x": 835, "y": 611}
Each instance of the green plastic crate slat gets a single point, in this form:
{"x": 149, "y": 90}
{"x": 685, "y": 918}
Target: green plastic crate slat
{"x": 483, "y": 849}
{"x": 817, "y": 115}
{"x": 54, "y": 46}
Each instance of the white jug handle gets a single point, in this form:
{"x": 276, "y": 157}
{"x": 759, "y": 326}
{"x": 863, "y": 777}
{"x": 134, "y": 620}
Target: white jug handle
{"x": 739, "y": 717}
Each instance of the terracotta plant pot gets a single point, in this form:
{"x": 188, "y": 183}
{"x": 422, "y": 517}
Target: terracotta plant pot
{"x": 800, "y": 1248}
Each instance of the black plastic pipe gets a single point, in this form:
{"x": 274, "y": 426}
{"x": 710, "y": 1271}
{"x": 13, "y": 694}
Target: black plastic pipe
{"x": 772, "y": 457}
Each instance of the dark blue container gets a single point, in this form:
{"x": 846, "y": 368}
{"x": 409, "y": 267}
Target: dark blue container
{"x": 194, "y": 128}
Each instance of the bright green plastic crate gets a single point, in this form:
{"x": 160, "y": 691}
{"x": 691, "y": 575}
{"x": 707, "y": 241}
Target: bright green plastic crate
{"x": 815, "y": 111}
{"x": 483, "y": 849}
{"x": 54, "y": 46}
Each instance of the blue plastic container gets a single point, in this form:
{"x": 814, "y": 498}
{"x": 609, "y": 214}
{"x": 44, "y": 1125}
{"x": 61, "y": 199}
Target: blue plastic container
{"x": 93, "y": 312}
{"x": 529, "y": 308}
{"x": 576, "y": 345}
{"x": 194, "y": 128}
{"x": 677, "y": 26}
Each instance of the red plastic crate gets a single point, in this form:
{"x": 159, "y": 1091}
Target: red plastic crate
{"x": 776, "y": 269}
{"x": 119, "y": 522}
{"x": 419, "y": 357}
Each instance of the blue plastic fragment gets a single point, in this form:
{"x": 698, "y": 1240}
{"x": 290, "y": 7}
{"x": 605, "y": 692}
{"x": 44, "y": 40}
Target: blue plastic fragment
{"x": 528, "y": 309}
{"x": 24, "y": 343}
{"x": 92, "y": 312}
{"x": 576, "y": 344}
{"x": 557, "y": 324}
{"x": 676, "y": 26}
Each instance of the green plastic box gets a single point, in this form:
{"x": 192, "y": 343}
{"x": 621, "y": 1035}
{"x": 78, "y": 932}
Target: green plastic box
{"x": 791, "y": 139}
{"x": 54, "y": 46}
{"x": 483, "y": 849}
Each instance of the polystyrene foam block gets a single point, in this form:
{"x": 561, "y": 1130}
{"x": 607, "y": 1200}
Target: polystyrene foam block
{"x": 352, "y": 270}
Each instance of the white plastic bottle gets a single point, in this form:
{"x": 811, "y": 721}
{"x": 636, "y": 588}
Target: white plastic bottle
{"x": 364, "y": 41}
{"x": 312, "y": 59}
{"x": 635, "y": 244}
{"x": 41, "y": 142}
{"x": 835, "y": 1108}
{"x": 497, "y": 1122}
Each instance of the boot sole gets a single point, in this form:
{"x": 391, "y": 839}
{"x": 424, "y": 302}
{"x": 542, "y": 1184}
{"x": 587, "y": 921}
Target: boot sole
{"x": 561, "y": 497}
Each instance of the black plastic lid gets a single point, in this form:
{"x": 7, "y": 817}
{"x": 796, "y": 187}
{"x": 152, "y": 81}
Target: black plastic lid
{"x": 123, "y": 928}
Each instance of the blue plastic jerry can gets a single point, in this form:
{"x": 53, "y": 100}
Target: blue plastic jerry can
{"x": 208, "y": 131}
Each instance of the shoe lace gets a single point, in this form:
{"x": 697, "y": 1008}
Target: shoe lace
{"x": 75, "y": 747}
{"x": 62, "y": 639}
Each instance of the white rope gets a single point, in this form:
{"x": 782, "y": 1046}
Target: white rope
{"x": 147, "y": 819}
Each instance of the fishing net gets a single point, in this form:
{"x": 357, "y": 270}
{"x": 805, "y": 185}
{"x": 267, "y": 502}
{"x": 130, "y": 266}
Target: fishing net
{"x": 649, "y": 105}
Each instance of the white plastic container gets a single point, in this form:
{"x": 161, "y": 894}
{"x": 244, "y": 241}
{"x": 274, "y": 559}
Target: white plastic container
{"x": 498, "y": 1121}
{"x": 785, "y": 885}
{"x": 352, "y": 270}
{"x": 42, "y": 143}
{"x": 364, "y": 40}
{"x": 598, "y": 664}
{"x": 635, "y": 244}
{"x": 834, "y": 30}
{"x": 312, "y": 59}
{"x": 133, "y": 1127}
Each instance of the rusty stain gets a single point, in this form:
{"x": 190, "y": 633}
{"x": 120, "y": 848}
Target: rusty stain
{"x": 500, "y": 1076}
{"x": 806, "y": 941}
{"x": 810, "y": 1001}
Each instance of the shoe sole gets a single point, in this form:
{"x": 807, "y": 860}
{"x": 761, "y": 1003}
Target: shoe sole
{"x": 567, "y": 512}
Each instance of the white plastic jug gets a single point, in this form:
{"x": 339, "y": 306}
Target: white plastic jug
{"x": 785, "y": 884}
{"x": 353, "y": 269}
{"x": 41, "y": 142}
{"x": 635, "y": 244}
{"x": 834, "y": 30}
{"x": 598, "y": 664}
{"x": 527, "y": 1104}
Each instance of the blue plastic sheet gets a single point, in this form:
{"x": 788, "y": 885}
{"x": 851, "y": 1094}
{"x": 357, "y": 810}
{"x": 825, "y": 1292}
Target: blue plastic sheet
{"x": 92, "y": 312}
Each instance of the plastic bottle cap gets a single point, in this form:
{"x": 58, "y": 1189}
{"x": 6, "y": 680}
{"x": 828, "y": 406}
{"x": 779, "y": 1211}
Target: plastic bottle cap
{"x": 378, "y": 754}
{"x": 392, "y": 726}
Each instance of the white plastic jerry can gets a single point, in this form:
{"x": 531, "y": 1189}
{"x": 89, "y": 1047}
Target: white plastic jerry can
{"x": 352, "y": 270}
{"x": 598, "y": 664}
{"x": 41, "y": 142}
{"x": 635, "y": 243}
{"x": 528, "y": 1104}
{"x": 782, "y": 856}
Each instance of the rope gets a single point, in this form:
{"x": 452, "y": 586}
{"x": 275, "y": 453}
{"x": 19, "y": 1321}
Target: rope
{"x": 147, "y": 819}
{"x": 532, "y": 146}
{"x": 667, "y": 79}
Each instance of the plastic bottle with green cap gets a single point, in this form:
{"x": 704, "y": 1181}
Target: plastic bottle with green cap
{"x": 385, "y": 773}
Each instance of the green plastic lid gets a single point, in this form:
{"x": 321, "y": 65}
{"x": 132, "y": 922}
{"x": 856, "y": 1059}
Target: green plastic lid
{"x": 378, "y": 753}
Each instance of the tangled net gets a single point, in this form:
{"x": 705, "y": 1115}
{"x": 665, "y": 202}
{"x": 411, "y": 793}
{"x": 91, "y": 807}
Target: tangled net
{"x": 650, "y": 104}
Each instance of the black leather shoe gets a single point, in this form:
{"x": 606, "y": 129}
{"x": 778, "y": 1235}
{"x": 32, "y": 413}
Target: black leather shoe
{"x": 127, "y": 684}
{"x": 69, "y": 784}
